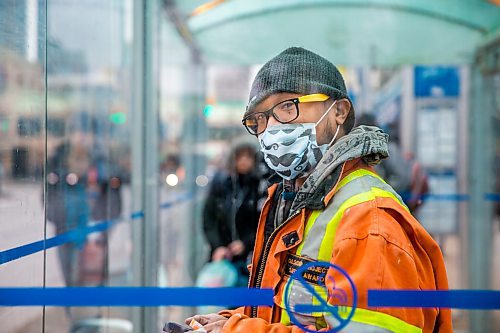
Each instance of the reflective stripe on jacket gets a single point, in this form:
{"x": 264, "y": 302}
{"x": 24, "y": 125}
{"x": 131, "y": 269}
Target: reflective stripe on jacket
{"x": 366, "y": 230}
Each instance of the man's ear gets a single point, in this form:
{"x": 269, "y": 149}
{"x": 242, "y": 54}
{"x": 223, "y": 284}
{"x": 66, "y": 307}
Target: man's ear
{"x": 343, "y": 107}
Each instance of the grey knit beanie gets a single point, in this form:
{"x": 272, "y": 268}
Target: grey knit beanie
{"x": 300, "y": 71}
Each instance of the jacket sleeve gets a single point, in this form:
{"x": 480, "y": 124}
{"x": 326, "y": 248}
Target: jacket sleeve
{"x": 372, "y": 263}
{"x": 380, "y": 254}
{"x": 373, "y": 260}
{"x": 240, "y": 323}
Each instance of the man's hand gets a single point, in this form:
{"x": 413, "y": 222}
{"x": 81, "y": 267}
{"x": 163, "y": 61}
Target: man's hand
{"x": 215, "y": 327}
{"x": 211, "y": 322}
{"x": 220, "y": 253}
{"x": 237, "y": 247}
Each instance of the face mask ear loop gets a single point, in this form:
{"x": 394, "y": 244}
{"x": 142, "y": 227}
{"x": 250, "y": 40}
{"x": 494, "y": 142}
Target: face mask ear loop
{"x": 335, "y": 136}
{"x": 338, "y": 126}
{"x": 324, "y": 115}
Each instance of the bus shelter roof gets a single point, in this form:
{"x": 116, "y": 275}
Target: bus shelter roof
{"x": 354, "y": 32}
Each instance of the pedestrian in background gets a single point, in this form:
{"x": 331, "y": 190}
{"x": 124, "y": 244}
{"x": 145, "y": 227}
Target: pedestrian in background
{"x": 231, "y": 211}
{"x": 67, "y": 203}
{"x": 82, "y": 188}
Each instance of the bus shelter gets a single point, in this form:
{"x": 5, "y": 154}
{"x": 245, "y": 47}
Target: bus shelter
{"x": 139, "y": 101}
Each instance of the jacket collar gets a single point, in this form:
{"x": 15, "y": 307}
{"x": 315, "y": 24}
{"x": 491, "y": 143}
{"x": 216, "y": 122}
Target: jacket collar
{"x": 368, "y": 143}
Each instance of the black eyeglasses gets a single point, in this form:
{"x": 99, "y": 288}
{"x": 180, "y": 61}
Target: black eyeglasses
{"x": 284, "y": 112}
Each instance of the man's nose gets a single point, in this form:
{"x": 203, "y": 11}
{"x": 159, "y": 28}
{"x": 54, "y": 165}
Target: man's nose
{"x": 272, "y": 121}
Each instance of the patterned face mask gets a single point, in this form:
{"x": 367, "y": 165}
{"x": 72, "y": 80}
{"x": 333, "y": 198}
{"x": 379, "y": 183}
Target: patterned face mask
{"x": 291, "y": 149}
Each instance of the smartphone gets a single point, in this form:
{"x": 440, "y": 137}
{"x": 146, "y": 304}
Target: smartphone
{"x": 172, "y": 327}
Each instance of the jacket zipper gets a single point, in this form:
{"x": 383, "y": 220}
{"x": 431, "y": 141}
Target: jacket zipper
{"x": 262, "y": 260}
{"x": 263, "y": 257}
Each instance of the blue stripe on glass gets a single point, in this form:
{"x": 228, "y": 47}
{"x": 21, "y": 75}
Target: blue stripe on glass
{"x": 71, "y": 236}
{"x": 134, "y": 296}
{"x": 456, "y": 299}
{"x": 76, "y": 235}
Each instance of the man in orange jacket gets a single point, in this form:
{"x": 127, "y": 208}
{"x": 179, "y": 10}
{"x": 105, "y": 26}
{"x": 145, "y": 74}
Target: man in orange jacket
{"x": 328, "y": 205}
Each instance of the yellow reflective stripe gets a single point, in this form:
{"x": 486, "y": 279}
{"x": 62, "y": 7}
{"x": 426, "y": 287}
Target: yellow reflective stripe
{"x": 313, "y": 98}
{"x": 363, "y": 172}
{"x": 323, "y": 293}
{"x": 380, "y": 319}
{"x": 326, "y": 248}
{"x": 357, "y": 174}
{"x": 310, "y": 222}
{"x": 386, "y": 194}
{"x": 285, "y": 319}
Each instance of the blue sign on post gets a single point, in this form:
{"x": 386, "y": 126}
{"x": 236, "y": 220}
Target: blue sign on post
{"x": 437, "y": 81}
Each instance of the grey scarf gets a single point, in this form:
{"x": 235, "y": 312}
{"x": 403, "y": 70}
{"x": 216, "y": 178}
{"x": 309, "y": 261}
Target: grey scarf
{"x": 367, "y": 142}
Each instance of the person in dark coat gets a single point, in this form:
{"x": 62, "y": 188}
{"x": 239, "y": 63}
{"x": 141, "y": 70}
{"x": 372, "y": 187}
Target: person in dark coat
{"x": 231, "y": 211}
{"x": 82, "y": 188}
{"x": 67, "y": 203}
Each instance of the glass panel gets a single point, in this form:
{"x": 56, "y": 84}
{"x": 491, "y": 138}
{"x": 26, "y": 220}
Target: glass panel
{"x": 181, "y": 129}
{"x": 22, "y": 151}
{"x": 88, "y": 152}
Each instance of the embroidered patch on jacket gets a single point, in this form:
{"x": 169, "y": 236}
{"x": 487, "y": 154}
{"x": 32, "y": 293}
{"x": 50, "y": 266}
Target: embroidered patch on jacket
{"x": 291, "y": 238}
{"x": 314, "y": 274}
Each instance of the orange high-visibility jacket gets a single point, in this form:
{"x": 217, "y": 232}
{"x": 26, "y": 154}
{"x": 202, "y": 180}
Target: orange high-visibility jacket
{"x": 366, "y": 230}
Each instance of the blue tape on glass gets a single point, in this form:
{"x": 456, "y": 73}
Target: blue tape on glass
{"x": 77, "y": 235}
{"x": 72, "y": 236}
{"x": 180, "y": 198}
{"x": 137, "y": 215}
{"x": 492, "y": 197}
{"x": 456, "y": 197}
{"x": 152, "y": 296}
{"x": 456, "y": 299}
{"x": 134, "y": 296}
{"x": 446, "y": 197}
